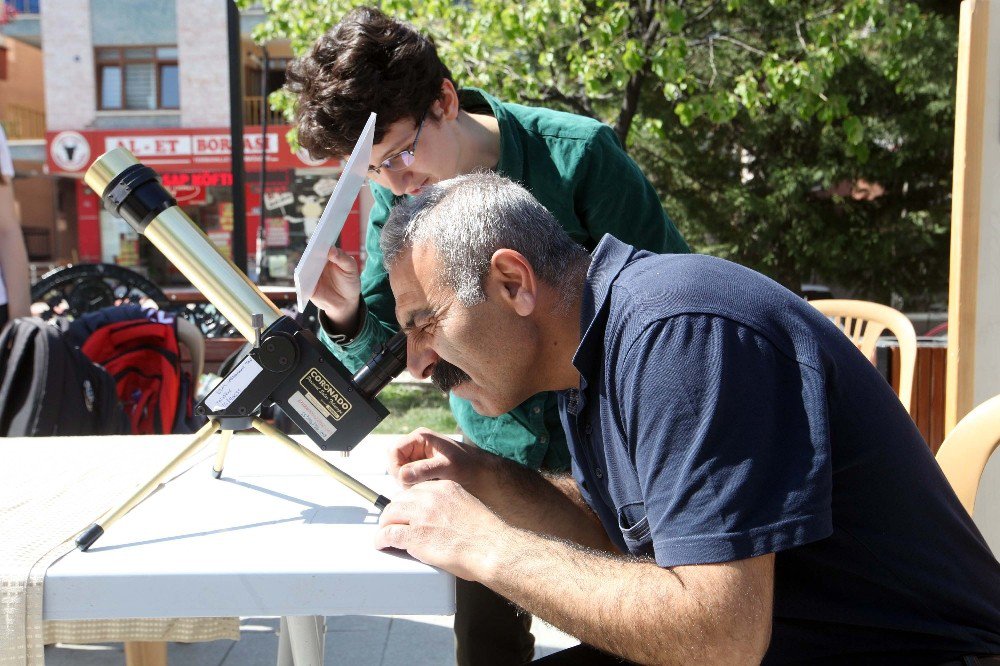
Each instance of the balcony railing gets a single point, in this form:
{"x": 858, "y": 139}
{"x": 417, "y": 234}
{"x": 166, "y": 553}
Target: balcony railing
{"x": 252, "y": 109}
{"x": 23, "y": 123}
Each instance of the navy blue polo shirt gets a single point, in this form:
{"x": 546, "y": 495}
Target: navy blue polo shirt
{"x": 720, "y": 417}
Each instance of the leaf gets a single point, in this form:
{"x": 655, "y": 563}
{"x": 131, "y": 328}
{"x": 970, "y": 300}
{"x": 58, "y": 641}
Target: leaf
{"x": 632, "y": 58}
{"x": 853, "y": 130}
{"x": 676, "y": 18}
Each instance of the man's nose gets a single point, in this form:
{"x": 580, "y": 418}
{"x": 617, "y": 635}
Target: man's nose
{"x": 420, "y": 358}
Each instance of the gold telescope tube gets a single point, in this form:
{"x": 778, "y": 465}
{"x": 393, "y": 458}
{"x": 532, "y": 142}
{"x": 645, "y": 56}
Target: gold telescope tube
{"x": 175, "y": 235}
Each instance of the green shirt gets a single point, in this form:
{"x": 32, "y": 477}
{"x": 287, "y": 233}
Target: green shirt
{"x": 577, "y": 169}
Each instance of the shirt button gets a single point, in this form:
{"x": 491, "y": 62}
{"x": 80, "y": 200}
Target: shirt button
{"x": 589, "y": 429}
{"x": 536, "y": 410}
{"x": 543, "y": 439}
{"x": 598, "y": 473}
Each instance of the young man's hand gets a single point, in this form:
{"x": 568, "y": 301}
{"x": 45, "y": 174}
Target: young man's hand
{"x": 338, "y": 291}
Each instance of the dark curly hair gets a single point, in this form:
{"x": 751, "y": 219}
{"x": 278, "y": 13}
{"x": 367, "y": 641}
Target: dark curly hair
{"x": 367, "y": 62}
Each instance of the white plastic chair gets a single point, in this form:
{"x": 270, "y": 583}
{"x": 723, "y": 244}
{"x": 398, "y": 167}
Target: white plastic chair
{"x": 863, "y": 322}
{"x": 967, "y": 449}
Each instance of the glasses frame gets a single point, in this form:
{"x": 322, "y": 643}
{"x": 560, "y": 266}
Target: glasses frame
{"x": 404, "y": 162}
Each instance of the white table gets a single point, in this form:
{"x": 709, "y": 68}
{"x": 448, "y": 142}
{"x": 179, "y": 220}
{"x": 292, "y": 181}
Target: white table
{"x": 273, "y": 536}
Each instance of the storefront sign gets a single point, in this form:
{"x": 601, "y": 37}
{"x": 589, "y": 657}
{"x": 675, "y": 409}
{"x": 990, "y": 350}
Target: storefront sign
{"x": 191, "y": 188}
{"x": 203, "y": 179}
{"x": 174, "y": 149}
{"x": 69, "y": 151}
{"x": 276, "y": 233}
{"x": 275, "y": 200}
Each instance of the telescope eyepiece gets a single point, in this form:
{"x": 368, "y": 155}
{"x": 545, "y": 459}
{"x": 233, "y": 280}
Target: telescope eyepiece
{"x": 383, "y": 367}
{"x": 136, "y": 196}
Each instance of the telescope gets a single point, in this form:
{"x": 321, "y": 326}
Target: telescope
{"x": 288, "y": 365}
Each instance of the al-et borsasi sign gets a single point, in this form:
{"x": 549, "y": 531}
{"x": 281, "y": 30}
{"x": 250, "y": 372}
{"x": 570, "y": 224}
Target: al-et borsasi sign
{"x": 181, "y": 149}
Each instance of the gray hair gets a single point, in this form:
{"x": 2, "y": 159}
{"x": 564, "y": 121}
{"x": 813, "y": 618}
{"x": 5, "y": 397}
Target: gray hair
{"x": 468, "y": 218}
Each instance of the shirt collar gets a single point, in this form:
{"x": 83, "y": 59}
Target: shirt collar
{"x": 511, "y": 162}
{"x": 607, "y": 261}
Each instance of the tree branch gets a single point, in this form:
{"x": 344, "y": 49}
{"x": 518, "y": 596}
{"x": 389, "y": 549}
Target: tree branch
{"x": 650, "y": 28}
{"x": 711, "y": 60}
{"x": 742, "y": 45}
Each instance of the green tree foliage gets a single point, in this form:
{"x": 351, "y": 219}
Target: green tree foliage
{"x": 762, "y": 123}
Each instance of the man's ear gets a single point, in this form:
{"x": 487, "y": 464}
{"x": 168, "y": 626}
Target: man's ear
{"x": 516, "y": 280}
{"x": 446, "y": 106}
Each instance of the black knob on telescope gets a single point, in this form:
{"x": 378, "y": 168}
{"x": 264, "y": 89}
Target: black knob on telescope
{"x": 383, "y": 367}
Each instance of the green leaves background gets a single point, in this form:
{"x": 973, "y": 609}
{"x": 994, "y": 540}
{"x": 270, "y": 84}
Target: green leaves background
{"x": 766, "y": 125}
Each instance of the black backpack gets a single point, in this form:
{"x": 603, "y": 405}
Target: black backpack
{"x": 49, "y": 387}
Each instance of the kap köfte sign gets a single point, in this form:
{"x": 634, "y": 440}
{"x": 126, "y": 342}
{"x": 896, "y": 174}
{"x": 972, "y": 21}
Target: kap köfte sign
{"x": 182, "y": 149}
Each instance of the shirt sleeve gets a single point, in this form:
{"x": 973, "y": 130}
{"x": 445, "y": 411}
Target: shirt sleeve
{"x": 379, "y": 312}
{"x": 614, "y": 197}
{"x": 729, "y": 438}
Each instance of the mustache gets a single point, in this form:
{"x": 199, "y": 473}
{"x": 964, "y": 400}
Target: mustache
{"x": 446, "y": 376}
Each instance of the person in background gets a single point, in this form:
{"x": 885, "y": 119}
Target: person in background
{"x": 429, "y": 130}
{"x": 746, "y": 487}
{"x": 15, "y": 285}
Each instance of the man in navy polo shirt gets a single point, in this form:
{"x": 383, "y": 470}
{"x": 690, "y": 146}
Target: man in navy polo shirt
{"x": 746, "y": 487}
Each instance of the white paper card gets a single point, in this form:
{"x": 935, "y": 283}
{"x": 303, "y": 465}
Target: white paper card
{"x": 234, "y": 384}
{"x": 331, "y": 223}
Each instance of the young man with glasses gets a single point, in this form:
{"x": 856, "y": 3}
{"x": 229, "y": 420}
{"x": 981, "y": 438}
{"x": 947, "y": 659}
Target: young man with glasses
{"x": 429, "y": 131}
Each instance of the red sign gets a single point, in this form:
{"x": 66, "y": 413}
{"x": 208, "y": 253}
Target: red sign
{"x": 176, "y": 149}
{"x": 190, "y": 188}
{"x": 202, "y": 179}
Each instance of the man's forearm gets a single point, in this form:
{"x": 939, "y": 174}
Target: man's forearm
{"x": 633, "y": 608}
{"x": 548, "y": 505}
{"x": 13, "y": 257}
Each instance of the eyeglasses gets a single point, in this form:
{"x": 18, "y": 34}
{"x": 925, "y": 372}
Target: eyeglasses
{"x": 403, "y": 158}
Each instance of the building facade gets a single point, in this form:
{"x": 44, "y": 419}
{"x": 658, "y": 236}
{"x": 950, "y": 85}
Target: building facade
{"x": 153, "y": 76}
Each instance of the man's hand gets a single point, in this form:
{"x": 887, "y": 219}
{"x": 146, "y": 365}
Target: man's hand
{"x": 338, "y": 291}
{"x": 424, "y": 455}
{"x": 712, "y": 613}
{"x": 518, "y": 495}
{"x": 441, "y": 524}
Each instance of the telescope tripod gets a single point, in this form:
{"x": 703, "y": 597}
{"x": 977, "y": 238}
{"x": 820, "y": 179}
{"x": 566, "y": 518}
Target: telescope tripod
{"x": 227, "y": 426}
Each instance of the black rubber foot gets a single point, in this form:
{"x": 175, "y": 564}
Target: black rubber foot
{"x": 381, "y": 502}
{"x": 217, "y": 473}
{"x": 92, "y": 534}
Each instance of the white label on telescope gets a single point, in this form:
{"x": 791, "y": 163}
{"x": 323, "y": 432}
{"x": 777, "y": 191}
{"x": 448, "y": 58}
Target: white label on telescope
{"x": 316, "y": 418}
{"x": 234, "y": 384}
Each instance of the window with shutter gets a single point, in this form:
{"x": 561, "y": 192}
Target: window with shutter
{"x": 138, "y": 78}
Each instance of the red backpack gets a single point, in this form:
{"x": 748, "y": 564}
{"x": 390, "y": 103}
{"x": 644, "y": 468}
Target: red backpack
{"x": 143, "y": 357}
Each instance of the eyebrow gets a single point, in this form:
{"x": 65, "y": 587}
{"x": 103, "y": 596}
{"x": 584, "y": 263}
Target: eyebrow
{"x": 412, "y": 316}
{"x": 392, "y": 152}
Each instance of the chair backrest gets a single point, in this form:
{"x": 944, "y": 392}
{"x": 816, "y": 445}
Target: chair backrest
{"x": 189, "y": 335}
{"x": 863, "y": 322}
{"x": 967, "y": 449}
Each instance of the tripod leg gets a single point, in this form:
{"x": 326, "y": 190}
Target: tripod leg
{"x": 379, "y": 501}
{"x": 221, "y": 455}
{"x": 92, "y": 533}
